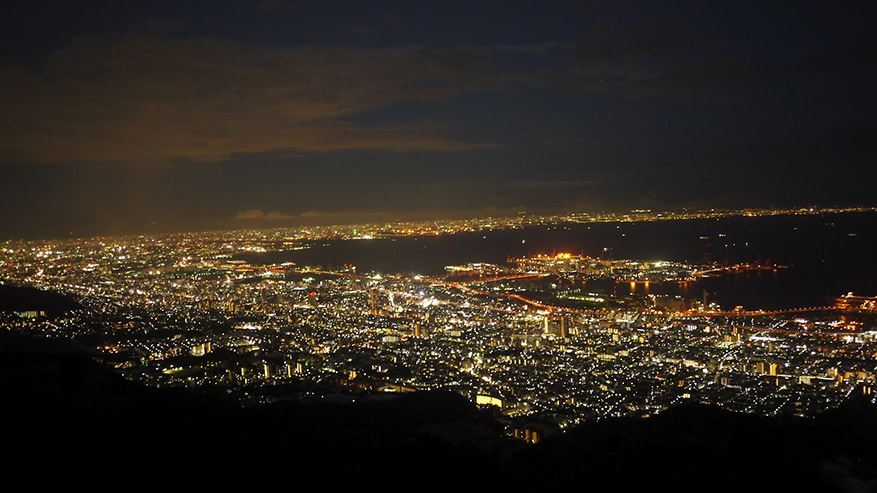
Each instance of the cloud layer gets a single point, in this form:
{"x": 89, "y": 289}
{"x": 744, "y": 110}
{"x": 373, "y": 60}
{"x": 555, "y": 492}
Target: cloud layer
{"x": 147, "y": 99}
{"x": 260, "y": 214}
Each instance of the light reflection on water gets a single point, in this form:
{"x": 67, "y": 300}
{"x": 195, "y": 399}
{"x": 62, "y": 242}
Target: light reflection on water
{"x": 823, "y": 260}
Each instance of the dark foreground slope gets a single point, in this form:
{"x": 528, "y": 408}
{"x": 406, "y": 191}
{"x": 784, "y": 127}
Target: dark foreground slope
{"x": 69, "y": 420}
{"x": 23, "y": 298}
{"x": 702, "y": 448}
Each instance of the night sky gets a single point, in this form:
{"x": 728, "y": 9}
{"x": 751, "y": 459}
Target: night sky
{"x": 140, "y": 116}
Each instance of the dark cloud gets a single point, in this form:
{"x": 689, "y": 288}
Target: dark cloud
{"x": 154, "y": 98}
{"x": 695, "y": 52}
{"x": 142, "y": 99}
{"x": 553, "y": 184}
{"x": 259, "y": 214}
{"x": 278, "y": 6}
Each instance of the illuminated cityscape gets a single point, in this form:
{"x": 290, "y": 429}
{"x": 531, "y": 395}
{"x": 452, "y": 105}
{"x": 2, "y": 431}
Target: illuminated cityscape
{"x": 532, "y": 337}
{"x": 524, "y": 246}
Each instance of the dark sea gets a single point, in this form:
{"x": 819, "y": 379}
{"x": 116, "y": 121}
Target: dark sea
{"x": 826, "y": 255}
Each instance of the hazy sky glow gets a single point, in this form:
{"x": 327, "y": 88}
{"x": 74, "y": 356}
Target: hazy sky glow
{"x": 121, "y": 117}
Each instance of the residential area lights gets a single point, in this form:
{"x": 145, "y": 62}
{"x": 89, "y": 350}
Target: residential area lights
{"x": 182, "y": 310}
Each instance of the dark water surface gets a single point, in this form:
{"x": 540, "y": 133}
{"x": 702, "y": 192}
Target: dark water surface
{"x": 826, "y": 255}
